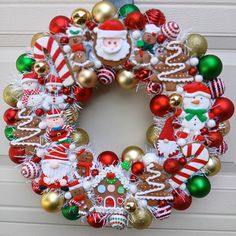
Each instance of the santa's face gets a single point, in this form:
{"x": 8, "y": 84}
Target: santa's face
{"x": 196, "y": 102}
{"x": 111, "y": 45}
{"x": 54, "y": 169}
{"x": 54, "y": 87}
{"x": 54, "y": 122}
{"x": 30, "y": 85}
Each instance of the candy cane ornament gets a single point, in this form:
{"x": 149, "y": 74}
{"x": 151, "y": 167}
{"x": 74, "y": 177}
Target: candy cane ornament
{"x": 49, "y": 45}
{"x": 200, "y": 159}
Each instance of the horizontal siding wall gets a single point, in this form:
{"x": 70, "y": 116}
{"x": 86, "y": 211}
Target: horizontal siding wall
{"x": 20, "y": 212}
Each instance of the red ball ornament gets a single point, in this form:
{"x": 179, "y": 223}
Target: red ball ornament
{"x": 36, "y": 188}
{"x": 171, "y": 166}
{"x": 59, "y": 24}
{"x": 143, "y": 75}
{"x": 39, "y": 112}
{"x": 133, "y": 178}
{"x": 160, "y": 105}
{"x": 94, "y": 172}
{"x": 82, "y": 94}
{"x": 204, "y": 131}
{"x": 193, "y": 71}
{"x": 137, "y": 168}
{"x": 10, "y": 116}
{"x": 223, "y": 108}
{"x": 64, "y": 40}
{"x": 182, "y": 200}
{"x": 108, "y": 158}
{"x": 16, "y": 154}
{"x": 96, "y": 220}
{"x": 66, "y": 90}
{"x": 128, "y": 65}
{"x": 36, "y": 159}
{"x": 214, "y": 139}
{"x": 70, "y": 100}
{"x": 135, "y": 20}
{"x": 155, "y": 16}
{"x": 161, "y": 39}
{"x": 182, "y": 161}
{"x": 91, "y": 24}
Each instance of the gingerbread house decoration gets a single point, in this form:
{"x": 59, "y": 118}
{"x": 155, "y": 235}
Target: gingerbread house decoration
{"x": 110, "y": 189}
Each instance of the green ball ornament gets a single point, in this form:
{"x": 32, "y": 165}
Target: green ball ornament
{"x": 9, "y": 132}
{"x": 24, "y": 63}
{"x": 199, "y": 186}
{"x": 70, "y": 212}
{"x": 126, "y": 9}
{"x": 210, "y": 66}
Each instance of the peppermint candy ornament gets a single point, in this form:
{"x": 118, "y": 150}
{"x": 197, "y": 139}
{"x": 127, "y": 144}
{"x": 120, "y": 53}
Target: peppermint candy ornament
{"x": 106, "y": 75}
{"x": 154, "y": 88}
{"x": 222, "y": 149}
{"x": 118, "y": 221}
{"x": 217, "y": 87}
{"x": 30, "y": 170}
{"x": 170, "y": 30}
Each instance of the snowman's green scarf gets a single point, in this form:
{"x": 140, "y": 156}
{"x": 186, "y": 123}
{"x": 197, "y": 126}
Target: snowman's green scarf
{"x": 200, "y": 113}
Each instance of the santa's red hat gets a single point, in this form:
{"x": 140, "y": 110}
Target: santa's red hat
{"x": 195, "y": 89}
{"x": 77, "y": 47}
{"x": 31, "y": 76}
{"x": 54, "y": 80}
{"x": 57, "y": 153}
{"x": 54, "y": 113}
{"x": 112, "y": 28}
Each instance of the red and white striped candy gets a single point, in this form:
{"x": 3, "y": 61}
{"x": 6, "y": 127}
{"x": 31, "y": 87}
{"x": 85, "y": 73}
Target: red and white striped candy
{"x": 217, "y": 87}
{"x": 30, "y": 170}
{"x": 201, "y": 157}
{"x": 161, "y": 213}
{"x": 170, "y": 30}
{"x": 106, "y": 75}
{"x": 48, "y": 44}
{"x": 222, "y": 149}
{"x": 154, "y": 88}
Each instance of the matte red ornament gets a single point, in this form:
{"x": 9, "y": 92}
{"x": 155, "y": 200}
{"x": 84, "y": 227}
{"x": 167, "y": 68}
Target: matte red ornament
{"x": 143, "y": 75}
{"x": 135, "y": 20}
{"x": 39, "y": 112}
{"x": 160, "y": 105}
{"x": 96, "y": 220}
{"x": 94, "y": 172}
{"x": 108, "y": 158}
{"x": 171, "y": 166}
{"x": 182, "y": 161}
{"x": 137, "y": 168}
{"x": 36, "y": 188}
{"x": 193, "y": 71}
{"x": 59, "y": 24}
{"x": 10, "y": 116}
{"x": 82, "y": 94}
{"x": 214, "y": 139}
{"x": 223, "y": 108}
{"x": 16, "y": 154}
{"x": 133, "y": 178}
{"x": 161, "y": 39}
{"x": 155, "y": 16}
{"x": 182, "y": 200}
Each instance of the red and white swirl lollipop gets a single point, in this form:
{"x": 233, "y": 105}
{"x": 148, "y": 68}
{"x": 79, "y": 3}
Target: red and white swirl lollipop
{"x": 170, "y": 30}
{"x": 106, "y": 75}
{"x": 30, "y": 170}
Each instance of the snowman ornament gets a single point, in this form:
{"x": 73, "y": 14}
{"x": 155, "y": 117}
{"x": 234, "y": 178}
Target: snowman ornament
{"x": 194, "y": 114}
{"x": 54, "y": 96}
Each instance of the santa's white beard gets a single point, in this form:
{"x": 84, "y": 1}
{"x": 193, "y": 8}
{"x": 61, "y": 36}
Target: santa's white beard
{"x": 113, "y": 55}
{"x": 167, "y": 149}
{"x": 55, "y": 174}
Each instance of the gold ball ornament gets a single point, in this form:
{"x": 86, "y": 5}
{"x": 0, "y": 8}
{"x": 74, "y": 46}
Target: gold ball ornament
{"x": 37, "y": 36}
{"x": 103, "y": 10}
{"x": 197, "y": 45}
{"x": 141, "y": 218}
{"x": 41, "y": 68}
{"x": 175, "y": 100}
{"x": 80, "y": 16}
{"x": 52, "y": 202}
{"x": 80, "y": 137}
{"x": 213, "y": 166}
{"x": 131, "y": 205}
{"x": 152, "y": 135}
{"x": 132, "y": 154}
{"x": 87, "y": 78}
{"x": 224, "y": 127}
{"x": 11, "y": 95}
{"x": 126, "y": 79}
{"x": 71, "y": 115}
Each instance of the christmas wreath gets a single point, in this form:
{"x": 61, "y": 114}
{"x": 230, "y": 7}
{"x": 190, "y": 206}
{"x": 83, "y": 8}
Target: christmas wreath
{"x": 57, "y": 76}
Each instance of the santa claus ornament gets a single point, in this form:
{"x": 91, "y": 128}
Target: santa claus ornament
{"x": 57, "y": 78}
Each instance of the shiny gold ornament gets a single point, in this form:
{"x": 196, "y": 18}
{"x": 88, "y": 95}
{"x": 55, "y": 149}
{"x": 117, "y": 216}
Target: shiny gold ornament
{"x": 71, "y": 115}
{"x": 52, "y": 202}
{"x": 80, "y": 137}
{"x": 126, "y": 79}
{"x": 41, "y": 68}
{"x": 103, "y": 10}
{"x": 11, "y": 95}
{"x": 175, "y": 100}
{"x": 37, "y": 36}
{"x": 213, "y": 166}
{"x": 224, "y": 127}
{"x": 87, "y": 78}
{"x": 141, "y": 218}
{"x": 131, "y": 205}
{"x": 80, "y": 16}
{"x": 152, "y": 135}
{"x": 132, "y": 154}
{"x": 197, "y": 45}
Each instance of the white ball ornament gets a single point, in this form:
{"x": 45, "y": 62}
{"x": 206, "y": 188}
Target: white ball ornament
{"x": 68, "y": 195}
{"x": 198, "y": 78}
{"x": 66, "y": 48}
{"x": 136, "y": 34}
{"x": 97, "y": 64}
{"x": 193, "y": 61}
{"x": 30, "y": 170}
{"x": 154, "y": 60}
{"x": 149, "y": 158}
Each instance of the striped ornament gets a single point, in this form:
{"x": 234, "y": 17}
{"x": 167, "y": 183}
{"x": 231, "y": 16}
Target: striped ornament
{"x": 106, "y": 75}
{"x": 30, "y": 170}
{"x": 222, "y": 149}
{"x": 170, "y": 30}
{"x": 118, "y": 221}
{"x": 161, "y": 213}
{"x": 200, "y": 158}
{"x": 154, "y": 88}
{"x": 217, "y": 87}
{"x": 48, "y": 44}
